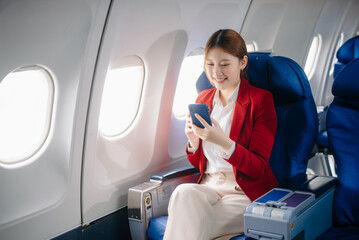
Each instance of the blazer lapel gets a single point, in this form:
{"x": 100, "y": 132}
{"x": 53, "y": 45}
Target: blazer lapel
{"x": 240, "y": 110}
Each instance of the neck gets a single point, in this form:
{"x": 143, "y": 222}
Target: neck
{"x": 225, "y": 94}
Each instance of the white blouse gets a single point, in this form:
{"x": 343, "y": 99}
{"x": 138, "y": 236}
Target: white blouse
{"x": 223, "y": 115}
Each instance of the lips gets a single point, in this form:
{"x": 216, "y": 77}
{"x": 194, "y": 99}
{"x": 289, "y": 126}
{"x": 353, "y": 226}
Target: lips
{"x": 219, "y": 79}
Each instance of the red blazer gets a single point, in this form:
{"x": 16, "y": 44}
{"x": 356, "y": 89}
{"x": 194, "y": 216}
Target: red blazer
{"x": 253, "y": 129}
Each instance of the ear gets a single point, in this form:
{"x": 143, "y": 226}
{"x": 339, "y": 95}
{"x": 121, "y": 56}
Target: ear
{"x": 244, "y": 62}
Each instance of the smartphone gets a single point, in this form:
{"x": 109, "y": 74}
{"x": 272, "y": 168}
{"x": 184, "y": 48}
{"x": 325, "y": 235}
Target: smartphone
{"x": 202, "y": 110}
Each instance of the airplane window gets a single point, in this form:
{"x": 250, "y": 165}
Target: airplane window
{"x": 252, "y": 46}
{"x": 191, "y": 69}
{"x": 313, "y": 55}
{"x": 26, "y": 101}
{"x": 121, "y": 96}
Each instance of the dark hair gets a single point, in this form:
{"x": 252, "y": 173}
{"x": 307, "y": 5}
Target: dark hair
{"x": 229, "y": 41}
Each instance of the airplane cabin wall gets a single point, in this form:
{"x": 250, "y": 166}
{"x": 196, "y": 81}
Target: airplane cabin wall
{"x": 281, "y": 26}
{"x": 40, "y": 196}
{"x": 161, "y": 34}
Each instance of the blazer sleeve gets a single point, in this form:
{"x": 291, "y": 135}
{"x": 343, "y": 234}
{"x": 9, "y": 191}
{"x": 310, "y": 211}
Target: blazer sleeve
{"x": 253, "y": 159}
{"x": 194, "y": 158}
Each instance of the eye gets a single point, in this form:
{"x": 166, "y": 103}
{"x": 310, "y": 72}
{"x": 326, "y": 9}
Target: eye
{"x": 210, "y": 64}
{"x": 225, "y": 65}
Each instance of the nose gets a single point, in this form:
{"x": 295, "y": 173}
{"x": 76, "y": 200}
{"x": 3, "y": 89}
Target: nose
{"x": 217, "y": 72}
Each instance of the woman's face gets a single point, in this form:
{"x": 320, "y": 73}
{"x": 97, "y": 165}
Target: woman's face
{"x": 223, "y": 69}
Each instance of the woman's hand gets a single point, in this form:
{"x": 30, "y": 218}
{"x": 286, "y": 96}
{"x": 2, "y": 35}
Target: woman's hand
{"x": 212, "y": 133}
{"x": 192, "y": 137}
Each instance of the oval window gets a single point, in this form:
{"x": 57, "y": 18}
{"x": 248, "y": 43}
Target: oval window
{"x": 313, "y": 56}
{"x": 121, "y": 96}
{"x": 26, "y": 102}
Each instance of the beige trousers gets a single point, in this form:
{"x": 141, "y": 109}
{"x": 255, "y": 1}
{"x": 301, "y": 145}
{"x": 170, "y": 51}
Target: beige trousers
{"x": 212, "y": 209}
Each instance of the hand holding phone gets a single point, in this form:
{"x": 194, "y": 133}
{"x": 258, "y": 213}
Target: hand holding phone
{"x": 202, "y": 110}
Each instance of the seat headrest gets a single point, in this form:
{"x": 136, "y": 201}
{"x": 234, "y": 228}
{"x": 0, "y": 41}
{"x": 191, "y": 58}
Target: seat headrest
{"x": 349, "y": 50}
{"x": 203, "y": 83}
{"x": 346, "y": 84}
{"x": 279, "y": 75}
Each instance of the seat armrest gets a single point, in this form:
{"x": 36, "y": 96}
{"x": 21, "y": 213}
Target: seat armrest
{"x": 318, "y": 185}
{"x": 172, "y": 174}
{"x": 310, "y": 183}
{"x": 300, "y": 209}
{"x": 150, "y": 199}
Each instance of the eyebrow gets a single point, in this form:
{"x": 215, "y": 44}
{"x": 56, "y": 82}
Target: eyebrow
{"x": 223, "y": 60}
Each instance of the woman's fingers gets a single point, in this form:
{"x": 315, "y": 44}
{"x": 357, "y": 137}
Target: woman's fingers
{"x": 214, "y": 122}
{"x": 204, "y": 122}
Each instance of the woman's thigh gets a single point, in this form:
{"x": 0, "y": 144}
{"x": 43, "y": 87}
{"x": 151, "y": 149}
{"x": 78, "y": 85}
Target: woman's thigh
{"x": 193, "y": 194}
{"x": 228, "y": 215}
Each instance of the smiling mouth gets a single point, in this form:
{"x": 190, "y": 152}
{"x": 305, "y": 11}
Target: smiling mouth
{"x": 220, "y": 79}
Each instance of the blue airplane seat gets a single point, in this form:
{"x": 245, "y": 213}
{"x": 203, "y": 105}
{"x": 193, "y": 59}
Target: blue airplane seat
{"x": 322, "y": 139}
{"x": 297, "y": 124}
{"x": 297, "y": 120}
{"x": 343, "y": 132}
{"x": 203, "y": 83}
{"x": 346, "y": 53}
{"x": 157, "y": 227}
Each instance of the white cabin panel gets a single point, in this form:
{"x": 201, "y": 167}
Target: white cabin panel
{"x": 43, "y": 192}
{"x": 161, "y": 34}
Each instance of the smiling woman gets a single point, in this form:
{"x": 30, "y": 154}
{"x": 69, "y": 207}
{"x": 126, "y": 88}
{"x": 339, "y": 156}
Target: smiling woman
{"x": 232, "y": 154}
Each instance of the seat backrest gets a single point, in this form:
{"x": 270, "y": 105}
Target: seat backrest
{"x": 343, "y": 133}
{"x": 296, "y": 111}
{"x": 346, "y": 53}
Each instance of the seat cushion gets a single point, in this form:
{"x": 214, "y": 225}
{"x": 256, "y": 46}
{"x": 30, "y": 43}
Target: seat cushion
{"x": 156, "y": 228}
{"x": 349, "y": 233}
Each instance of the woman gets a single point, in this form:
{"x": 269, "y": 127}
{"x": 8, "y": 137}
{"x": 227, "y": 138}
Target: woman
{"x": 232, "y": 154}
